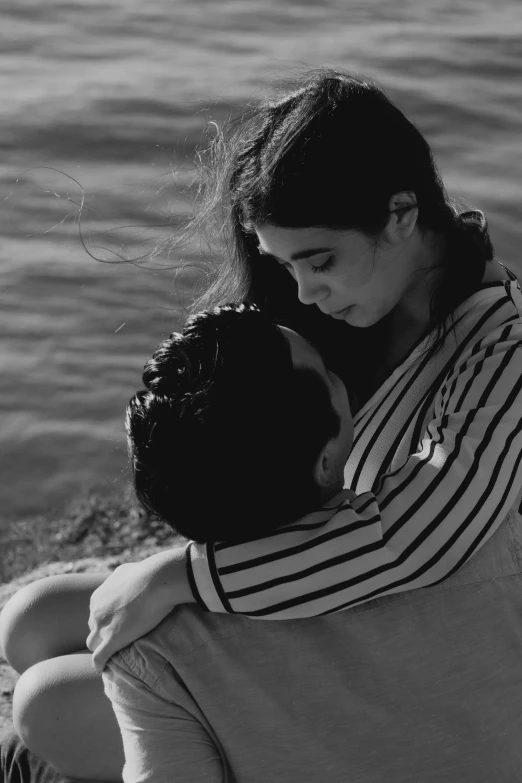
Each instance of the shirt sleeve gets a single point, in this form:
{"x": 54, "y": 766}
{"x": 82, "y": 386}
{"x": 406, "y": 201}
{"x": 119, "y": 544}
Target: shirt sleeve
{"x": 163, "y": 741}
{"x": 421, "y": 523}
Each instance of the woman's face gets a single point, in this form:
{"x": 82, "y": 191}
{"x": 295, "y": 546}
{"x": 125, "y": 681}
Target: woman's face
{"x": 346, "y": 274}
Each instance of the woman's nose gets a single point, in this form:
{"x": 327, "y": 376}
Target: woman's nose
{"x": 310, "y": 291}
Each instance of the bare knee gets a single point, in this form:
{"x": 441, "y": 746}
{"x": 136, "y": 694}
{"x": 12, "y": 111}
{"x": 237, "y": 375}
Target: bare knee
{"x": 47, "y": 618}
{"x": 62, "y": 714}
{"x": 41, "y": 701}
{"x": 22, "y": 626}
{"x": 32, "y": 699}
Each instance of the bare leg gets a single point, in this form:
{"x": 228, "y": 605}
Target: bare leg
{"x": 47, "y": 618}
{"x": 59, "y": 707}
{"x": 61, "y": 713}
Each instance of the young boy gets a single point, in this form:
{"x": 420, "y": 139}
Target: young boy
{"x": 241, "y": 428}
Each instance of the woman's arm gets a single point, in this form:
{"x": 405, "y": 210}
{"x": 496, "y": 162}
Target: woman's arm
{"x": 134, "y": 599}
{"x": 422, "y": 523}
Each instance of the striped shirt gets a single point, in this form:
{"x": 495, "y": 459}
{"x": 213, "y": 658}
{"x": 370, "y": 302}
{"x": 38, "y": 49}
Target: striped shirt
{"x": 435, "y": 467}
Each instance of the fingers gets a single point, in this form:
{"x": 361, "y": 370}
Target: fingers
{"x": 100, "y": 657}
{"x": 92, "y": 640}
{"x": 101, "y": 649}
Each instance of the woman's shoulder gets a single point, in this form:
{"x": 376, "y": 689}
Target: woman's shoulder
{"x": 497, "y": 303}
{"x": 496, "y": 272}
{"x": 486, "y": 334}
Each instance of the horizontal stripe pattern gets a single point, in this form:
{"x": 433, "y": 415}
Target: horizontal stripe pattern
{"x": 435, "y": 467}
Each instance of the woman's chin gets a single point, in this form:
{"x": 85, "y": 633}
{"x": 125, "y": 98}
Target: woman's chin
{"x": 353, "y": 316}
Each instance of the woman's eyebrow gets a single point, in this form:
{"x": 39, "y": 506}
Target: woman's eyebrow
{"x": 313, "y": 251}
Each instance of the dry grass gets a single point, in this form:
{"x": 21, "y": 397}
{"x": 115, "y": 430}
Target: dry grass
{"x": 93, "y": 526}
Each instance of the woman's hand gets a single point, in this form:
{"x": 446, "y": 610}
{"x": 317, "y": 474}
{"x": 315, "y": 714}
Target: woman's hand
{"x": 133, "y": 600}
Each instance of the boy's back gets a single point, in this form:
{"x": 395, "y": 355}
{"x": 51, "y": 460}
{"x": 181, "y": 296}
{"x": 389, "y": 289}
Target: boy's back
{"x": 422, "y": 687}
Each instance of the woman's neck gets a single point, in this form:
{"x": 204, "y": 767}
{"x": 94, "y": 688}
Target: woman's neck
{"x": 427, "y": 255}
{"x": 410, "y": 318}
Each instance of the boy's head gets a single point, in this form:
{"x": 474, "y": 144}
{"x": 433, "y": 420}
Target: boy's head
{"x": 240, "y": 429}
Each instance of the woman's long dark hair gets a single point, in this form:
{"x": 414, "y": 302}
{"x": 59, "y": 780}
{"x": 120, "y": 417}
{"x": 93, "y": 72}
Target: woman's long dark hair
{"x": 328, "y": 153}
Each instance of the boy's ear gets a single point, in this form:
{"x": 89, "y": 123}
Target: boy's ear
{"x": 326, "y": 470}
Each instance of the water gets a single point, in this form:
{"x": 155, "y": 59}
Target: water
{"x": 107, "y": 100}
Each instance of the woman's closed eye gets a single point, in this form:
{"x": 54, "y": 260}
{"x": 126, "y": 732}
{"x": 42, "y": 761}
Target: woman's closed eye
{"x": 328, "y": 264}
{"x": 324, "y": 267}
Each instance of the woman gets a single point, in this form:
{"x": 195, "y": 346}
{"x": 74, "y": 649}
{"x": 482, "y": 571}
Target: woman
{"x": 330, "y": 193}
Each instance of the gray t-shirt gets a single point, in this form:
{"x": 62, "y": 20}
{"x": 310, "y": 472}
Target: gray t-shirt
{"x": 419, "y": 687}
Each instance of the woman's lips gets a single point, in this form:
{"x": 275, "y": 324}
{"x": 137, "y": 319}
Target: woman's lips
{"x": 341, "y": 313}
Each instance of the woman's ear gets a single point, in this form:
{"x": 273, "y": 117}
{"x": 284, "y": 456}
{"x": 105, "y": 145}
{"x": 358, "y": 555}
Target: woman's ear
{"x": 403, "y": 216}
